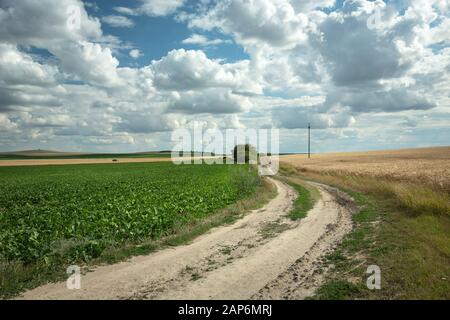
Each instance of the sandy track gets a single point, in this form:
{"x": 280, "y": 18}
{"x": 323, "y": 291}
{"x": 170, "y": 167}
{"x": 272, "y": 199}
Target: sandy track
{"x": 263, "y": 255}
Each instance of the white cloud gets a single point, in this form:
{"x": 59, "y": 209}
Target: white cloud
{"x": 126, "y": 11}
{"x": 383, "y": 100}
{"x": 134, "y": 122}
{"x": 300, "y": 117}
{"x": 24, "y": 82}
{"x": 183, "y": 70}
{"x": 153, "y": 8}
{"x": 376, "y": 57}
{"x": 308, "y": 5}
{"x": 198, "y": 39}
{"x": 304, "y": 65}
{"x": 232, "y": 122}
{"x": 118, "y": 21}
{"x": 19, "y": 68}
{"x": 160, "y": 7}
{"x": 250, "y": 22}
{"x": 45, "y": 25}
{"x": 135, "y": 53}
{"x": 213, "y": 101}
{"x": 42, "y": 23}
{"x": 6, "y": 124}
{"x": 89, "y": 62}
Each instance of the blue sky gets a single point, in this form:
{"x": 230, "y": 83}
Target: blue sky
{"x": 155, "y": 36}
{"x": 121, "y": 76}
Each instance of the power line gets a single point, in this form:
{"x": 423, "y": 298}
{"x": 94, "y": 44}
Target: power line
{"x": 309, "y": 140}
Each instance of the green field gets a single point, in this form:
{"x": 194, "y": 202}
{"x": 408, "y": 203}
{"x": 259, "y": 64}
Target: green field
{"x": 84, "y": 156}
{"x": 77, "y": 211}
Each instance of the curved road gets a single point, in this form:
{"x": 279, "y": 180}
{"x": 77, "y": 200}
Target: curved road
{"x": 264, "y": 255}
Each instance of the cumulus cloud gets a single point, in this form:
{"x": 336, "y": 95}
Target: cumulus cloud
{"x": 353, "y": 52}
{"x": 42, "y": 23}
{"x": 305, "y": 65}
{"x": 19, "y": 68}
{"x": 300, "y": 117}
{"x": 232, "y": 122}
{"x": 184, "y": 70}
{"x": 13, "y": 98}
{"x": 213, "y": 101}
{"x": 187, "y": 70}
{"x": 383, "y": 101}
{"x": 309, "y": 5}
{"x": 6, "y": 124}
{"x": 89, "y": 62}
{"x": 24, "y": 82}
{"x": 51, "y": 121}
{"x": 135, "y": 122}
{"x": 274, "y": 22}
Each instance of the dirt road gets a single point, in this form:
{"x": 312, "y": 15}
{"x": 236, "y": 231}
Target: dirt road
{"x": 262, "y": 256}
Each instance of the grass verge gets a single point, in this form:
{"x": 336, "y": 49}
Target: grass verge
{"x": 403, "y": 229}
{"x": 412, "y": 198}
{"x": 16, "y": 277}
{"x": 307, "y": 196}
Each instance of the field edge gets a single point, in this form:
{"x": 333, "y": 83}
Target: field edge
{"x": 37, "y": 274}
{"x": 410, "y": 248}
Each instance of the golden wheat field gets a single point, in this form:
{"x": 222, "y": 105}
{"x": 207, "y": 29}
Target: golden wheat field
{"x": 426, "y": 166}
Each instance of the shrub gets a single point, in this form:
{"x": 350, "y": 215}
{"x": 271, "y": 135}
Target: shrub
{"x": 248, "y": 150}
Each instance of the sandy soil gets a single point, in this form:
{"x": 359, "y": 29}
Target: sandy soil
{"x": 263, "y": 255}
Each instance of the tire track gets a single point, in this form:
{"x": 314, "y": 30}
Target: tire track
{"x": 264, "y": 255}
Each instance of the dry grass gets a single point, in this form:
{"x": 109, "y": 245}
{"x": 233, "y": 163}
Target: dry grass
{"x": 413, "y": 198}
{"x": 408, "y": 193}
{"x": 426, "y": 166}
{"x": 418, "y": 179}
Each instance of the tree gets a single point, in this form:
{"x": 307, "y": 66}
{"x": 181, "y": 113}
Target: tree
{"x": 244, "y": 153}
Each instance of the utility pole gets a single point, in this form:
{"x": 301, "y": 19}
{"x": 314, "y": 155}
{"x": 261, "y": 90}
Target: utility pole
{"x": 309, "y": 140}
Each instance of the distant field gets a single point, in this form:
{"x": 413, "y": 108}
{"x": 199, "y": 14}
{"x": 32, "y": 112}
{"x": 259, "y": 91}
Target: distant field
{"x": 45, "y": 162}
{"x": 76, "y": 211}
{"x": 60, "y": 158}
{"x": 428, "y": 166}
{"x": 82, "y": 156}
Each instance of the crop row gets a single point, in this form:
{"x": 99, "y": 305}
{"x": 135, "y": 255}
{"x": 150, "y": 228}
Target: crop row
{"x": 77, "y": 211}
